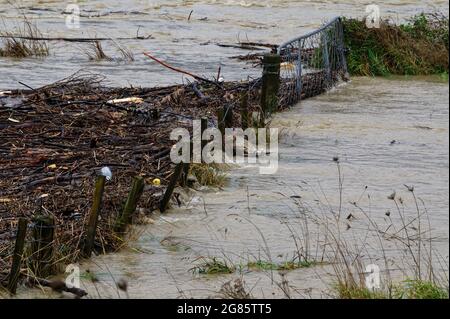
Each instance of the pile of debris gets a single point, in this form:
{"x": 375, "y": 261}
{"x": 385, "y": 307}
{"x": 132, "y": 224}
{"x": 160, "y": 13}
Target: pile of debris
{"x": 54, "y": 140}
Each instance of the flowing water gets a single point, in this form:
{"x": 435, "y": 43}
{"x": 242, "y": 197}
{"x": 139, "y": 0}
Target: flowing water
{"x": 190, "y": 45}
{"x": 387, "y": 133}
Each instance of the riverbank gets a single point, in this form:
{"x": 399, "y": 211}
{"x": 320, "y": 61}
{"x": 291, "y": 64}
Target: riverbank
{"x": 416, "y": 47}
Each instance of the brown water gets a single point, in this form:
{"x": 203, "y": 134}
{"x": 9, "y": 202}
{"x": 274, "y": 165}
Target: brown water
{"x": 186, "y": 44}
{"x": 386, "y": 132}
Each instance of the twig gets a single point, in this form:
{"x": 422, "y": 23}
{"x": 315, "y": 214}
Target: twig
{"x": 199, "y": 78}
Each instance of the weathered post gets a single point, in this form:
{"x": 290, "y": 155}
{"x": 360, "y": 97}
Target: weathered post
{"x": 228, "y": 116}
{"x": 18, "y": 253}
{"x": 137, "y": 188}
{"x": 221, "y": 124}
{"x": 42, "y": 246}
{"x": 203, "y": 128}
{"x": 221, "y": 121}
{"x": 186, "y": 166}
{"x": 169, "y": 191}
{"x": 244, "y": 111}
{"x": 93, "y": 217}
{"x": 270, "y": 84}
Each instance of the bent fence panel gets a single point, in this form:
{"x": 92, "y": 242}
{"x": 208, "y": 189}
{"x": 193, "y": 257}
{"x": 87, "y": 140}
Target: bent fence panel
{"x": 312, "y": 63}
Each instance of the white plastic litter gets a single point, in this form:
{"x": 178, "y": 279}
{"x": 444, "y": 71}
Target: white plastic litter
{"x": 106, "y": 171}
{"x": 136, "y": 100}
{"x": 5, "y": 93}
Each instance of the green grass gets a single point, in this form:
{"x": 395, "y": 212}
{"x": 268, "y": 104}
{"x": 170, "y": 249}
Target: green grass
{"x": 419, "y": 289}
{"x": 287, "y": 265}
{"x": 213, "y": 266}
{"x": 354, "y": 292}
{"x": 262, "y": 265}
{"x": 408, "y": 289}
{"x": 417, "y": 47}
{"x": 88, "y": 275}
{"x": 210, "y": 174}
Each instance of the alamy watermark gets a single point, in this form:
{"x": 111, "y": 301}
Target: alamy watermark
{"x": 73, "y": 14}
{"x": 254, "y": 146}
{"x": 73, "y": 276}
{"x": 373, "y": 280}
{"x": 73, "y": 17}
{"x": 373, "y": 16}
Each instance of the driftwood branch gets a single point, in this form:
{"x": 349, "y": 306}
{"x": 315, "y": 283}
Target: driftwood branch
{"x": 199, "y": 78}
{"x": 72, "y": 39}
{"x": 58, "y": 286}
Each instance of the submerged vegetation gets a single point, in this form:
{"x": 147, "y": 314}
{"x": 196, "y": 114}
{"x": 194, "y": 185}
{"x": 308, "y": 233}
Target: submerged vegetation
{"x": 417, "y": 47}
{"x": 420, "y": 289}
{"x": 24, "y": 42}
{"x": 95, "y": 52}
{"x": 409, "y": 289}
{"x": 287, "y": 265}
{"x": 213, "y": 266}
{"x": 210, "y": 174}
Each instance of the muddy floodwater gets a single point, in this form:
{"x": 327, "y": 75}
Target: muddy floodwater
{"x": 386, "y": 132}
{"x": 187, "y": 44}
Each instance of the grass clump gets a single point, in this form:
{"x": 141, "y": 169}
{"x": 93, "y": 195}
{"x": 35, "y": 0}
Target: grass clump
{"x": 420, "y": 289}
{"x": 210, "y": 174}
{"x": 291, "y": 265}
{"x": 95, "y": 52}
{"x": 24, "y": 42}
{"x": 358, "y": 292}
{"x": 417, "y": 47}
{"x": 409, "y": 289}
{"x": 213, "y": 266}
{"x": 287, "y": 265}
{"x": 262, "y": 265}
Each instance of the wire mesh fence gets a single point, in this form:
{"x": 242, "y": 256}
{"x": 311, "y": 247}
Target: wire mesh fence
{"x": 312, "y": 63}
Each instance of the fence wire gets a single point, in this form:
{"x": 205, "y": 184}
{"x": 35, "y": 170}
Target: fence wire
{"x": 312, "y": 63}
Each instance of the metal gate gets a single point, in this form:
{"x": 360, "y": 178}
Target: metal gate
{"x": 312, "y": 63}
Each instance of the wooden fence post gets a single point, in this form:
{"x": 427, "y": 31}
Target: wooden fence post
{"x": 93, "y": 217}
{"x": 17, "y": 257}
{"x": 137, "y": 188}
{"x": 169, "y": 191}
{"x": 203, "y": 128}
{"x": 244, "y": 111}
{"x": 221, "y": 120}
{"x": 221, "y": 124}
{"x": 186, "y": 166}
{"x": 228, "y": 114}
{"x": 270, "y": 84}
{"x": 42, "y": 246}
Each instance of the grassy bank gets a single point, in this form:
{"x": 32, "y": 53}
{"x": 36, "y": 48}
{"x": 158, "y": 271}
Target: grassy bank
{"x": 417, "y": 47}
